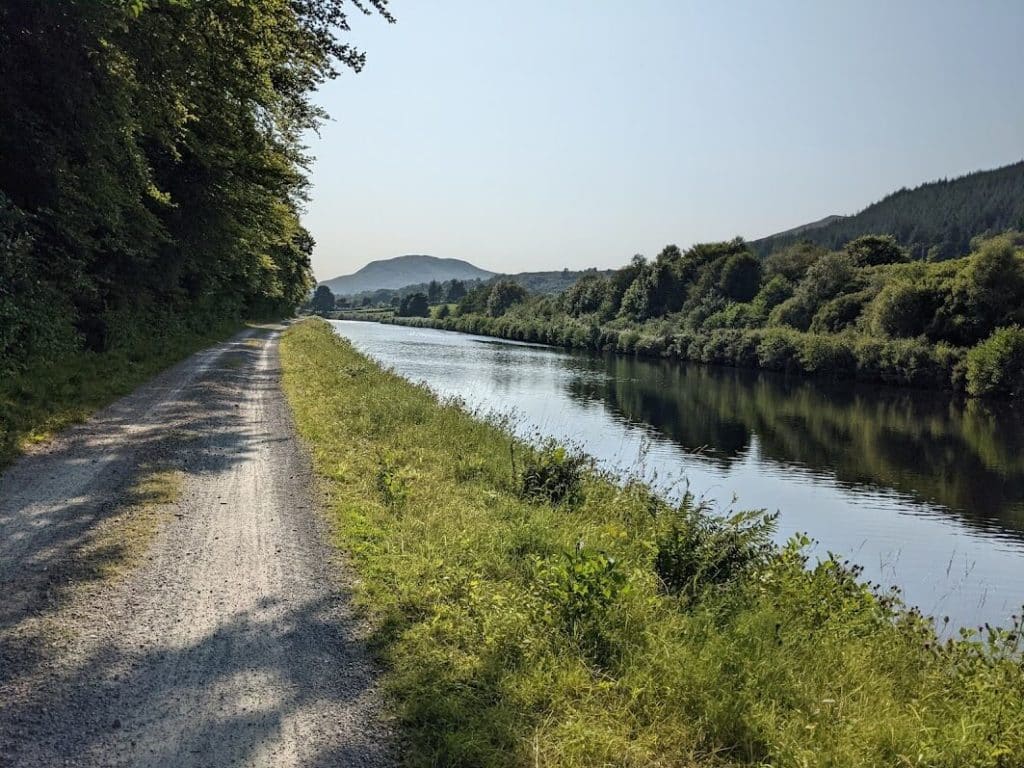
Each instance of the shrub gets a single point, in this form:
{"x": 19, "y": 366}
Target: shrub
{"x": 778, "y": 351}
{"x": 773, "y": 293}
{"x": 903, "y": 309}
{"x": 390, "y": 484}
{"x": 696, "y": 551}
{"x": 839, "y": 313}
{"x": 583, "y": 584}
{"x": 554, "y": 475}
{"x": 996, "y": 365}
{"x": 796, "y": 312}
{"x": 830, "y": 355}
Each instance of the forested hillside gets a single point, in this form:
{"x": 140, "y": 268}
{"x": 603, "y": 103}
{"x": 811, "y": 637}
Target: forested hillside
{"x": 934, "y": 221}
{"x": 151, "y": 166}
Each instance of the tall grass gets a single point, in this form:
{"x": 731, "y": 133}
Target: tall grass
{"x": 49, "y": 396}
{"x": 616, "y": 629}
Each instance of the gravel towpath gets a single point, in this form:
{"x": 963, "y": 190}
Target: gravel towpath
{"x": 217, "y": 631}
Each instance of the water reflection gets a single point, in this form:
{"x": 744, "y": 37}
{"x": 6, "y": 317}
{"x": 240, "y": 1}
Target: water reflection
{"x": 968, "y": 457}
{"x": 924, "y": 492}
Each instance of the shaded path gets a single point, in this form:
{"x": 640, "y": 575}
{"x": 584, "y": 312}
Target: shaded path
{"x": 231, "y": 641}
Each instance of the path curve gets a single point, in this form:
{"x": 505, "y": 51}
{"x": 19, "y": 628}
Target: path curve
{"x": 231, "y": 640}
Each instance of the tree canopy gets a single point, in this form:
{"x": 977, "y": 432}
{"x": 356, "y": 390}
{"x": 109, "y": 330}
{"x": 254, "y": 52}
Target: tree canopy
{"x": 152, "y": 171}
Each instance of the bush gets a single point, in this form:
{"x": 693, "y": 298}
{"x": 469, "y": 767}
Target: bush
{"x": 554, "y": 475}
{"x": 778, "y": 351}
{"x": 996, "y": 365}
{"x": 583, "y": 584}
{"x": 773, "y": 293}
{"x": 826, "y": 355}
{"x": 903, "y": 310}
{"x": 839, "y": 313}
{"x": 696, "y": 551}
{"x": 796, "y": 312}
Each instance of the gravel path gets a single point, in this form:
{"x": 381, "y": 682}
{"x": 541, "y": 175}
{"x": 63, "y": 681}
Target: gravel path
{"x": 229, "y": 640}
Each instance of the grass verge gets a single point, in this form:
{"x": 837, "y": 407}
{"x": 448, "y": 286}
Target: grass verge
{"x": 529, "y": 611}
{"x": 45, "y": 399}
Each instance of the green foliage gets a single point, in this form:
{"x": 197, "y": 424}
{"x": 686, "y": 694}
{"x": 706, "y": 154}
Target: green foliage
{"x": 505, "y": 642}
{"x": 864, "y": 312}
{"x": 434, "y": 292}
{"x": 583, "y": 585}
{"x": 872, "y": 250}
{"x": 554, "y": 475}
{"x": 391, "y": 485}
{"x": 741, "y": 277}
{"x": 152, "y": 165}
{"x": 414, "y": 305}
{"x": 322, "y": 301}
{"x": 903, "y": 309}
{"x": 697, "y": 551}
{"x": 775, "y": 291}
{"x": 840, "y": 313}
{"x": 995, "y": 367}
{"x": 502, "y": 296}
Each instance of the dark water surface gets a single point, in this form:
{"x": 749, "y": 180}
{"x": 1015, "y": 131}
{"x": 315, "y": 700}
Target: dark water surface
{"x": 924, "y": 492}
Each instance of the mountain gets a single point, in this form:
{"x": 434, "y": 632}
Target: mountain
{"x": 402, "y": 271}
{"x": 935, "y": 220}
{"x": 804, "y": 228}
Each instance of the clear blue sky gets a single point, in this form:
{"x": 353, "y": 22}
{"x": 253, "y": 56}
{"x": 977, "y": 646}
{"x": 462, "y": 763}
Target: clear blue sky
{"x": 572, "y": 133}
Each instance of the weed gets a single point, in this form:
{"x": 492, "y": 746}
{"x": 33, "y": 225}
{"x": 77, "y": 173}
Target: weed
{"x": 554, "y": 474}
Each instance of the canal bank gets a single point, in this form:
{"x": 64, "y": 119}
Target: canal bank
{"x": 601, "y": 627}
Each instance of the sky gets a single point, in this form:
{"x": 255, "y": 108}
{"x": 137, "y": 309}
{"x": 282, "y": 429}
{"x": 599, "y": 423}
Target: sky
{"x": 550, "y": 134}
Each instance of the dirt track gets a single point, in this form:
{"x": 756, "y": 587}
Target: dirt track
{"x": 226, "y": 639}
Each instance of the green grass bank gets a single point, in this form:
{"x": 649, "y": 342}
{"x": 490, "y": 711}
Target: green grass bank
{"x": 46, "y": 397}
{"x": 530, "y": 611}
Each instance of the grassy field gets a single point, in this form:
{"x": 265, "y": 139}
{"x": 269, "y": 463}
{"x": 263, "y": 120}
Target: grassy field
{"x": 529, "y": 611}
{"x": 48, "y": 398}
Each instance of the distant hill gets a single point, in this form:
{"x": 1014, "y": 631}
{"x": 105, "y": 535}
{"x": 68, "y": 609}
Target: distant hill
{"x": 402, "y": 271}
{"x": 805, "y": 228}
{"x": 535, "y": 282}
{"x": 935, "y": 220}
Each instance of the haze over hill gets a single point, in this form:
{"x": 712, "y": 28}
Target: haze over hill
{"x": 402, "y": 271}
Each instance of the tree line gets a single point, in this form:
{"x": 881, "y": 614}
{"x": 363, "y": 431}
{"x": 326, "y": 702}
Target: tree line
{"x": 152, "y": 170}
{"x": 866, "y": 310}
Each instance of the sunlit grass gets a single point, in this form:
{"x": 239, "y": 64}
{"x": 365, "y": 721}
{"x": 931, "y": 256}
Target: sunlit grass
{"x": 516, "y": 632}
{"x": 48, "y": 398}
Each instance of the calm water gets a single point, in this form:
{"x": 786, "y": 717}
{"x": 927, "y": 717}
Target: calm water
{"x": 925, "y": 493}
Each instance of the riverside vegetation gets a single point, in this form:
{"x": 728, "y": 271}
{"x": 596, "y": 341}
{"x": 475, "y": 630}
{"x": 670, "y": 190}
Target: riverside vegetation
{"x": 152, "y": 172}
{"x": 866, "y": 311}
{"x": 531, "y": 611}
